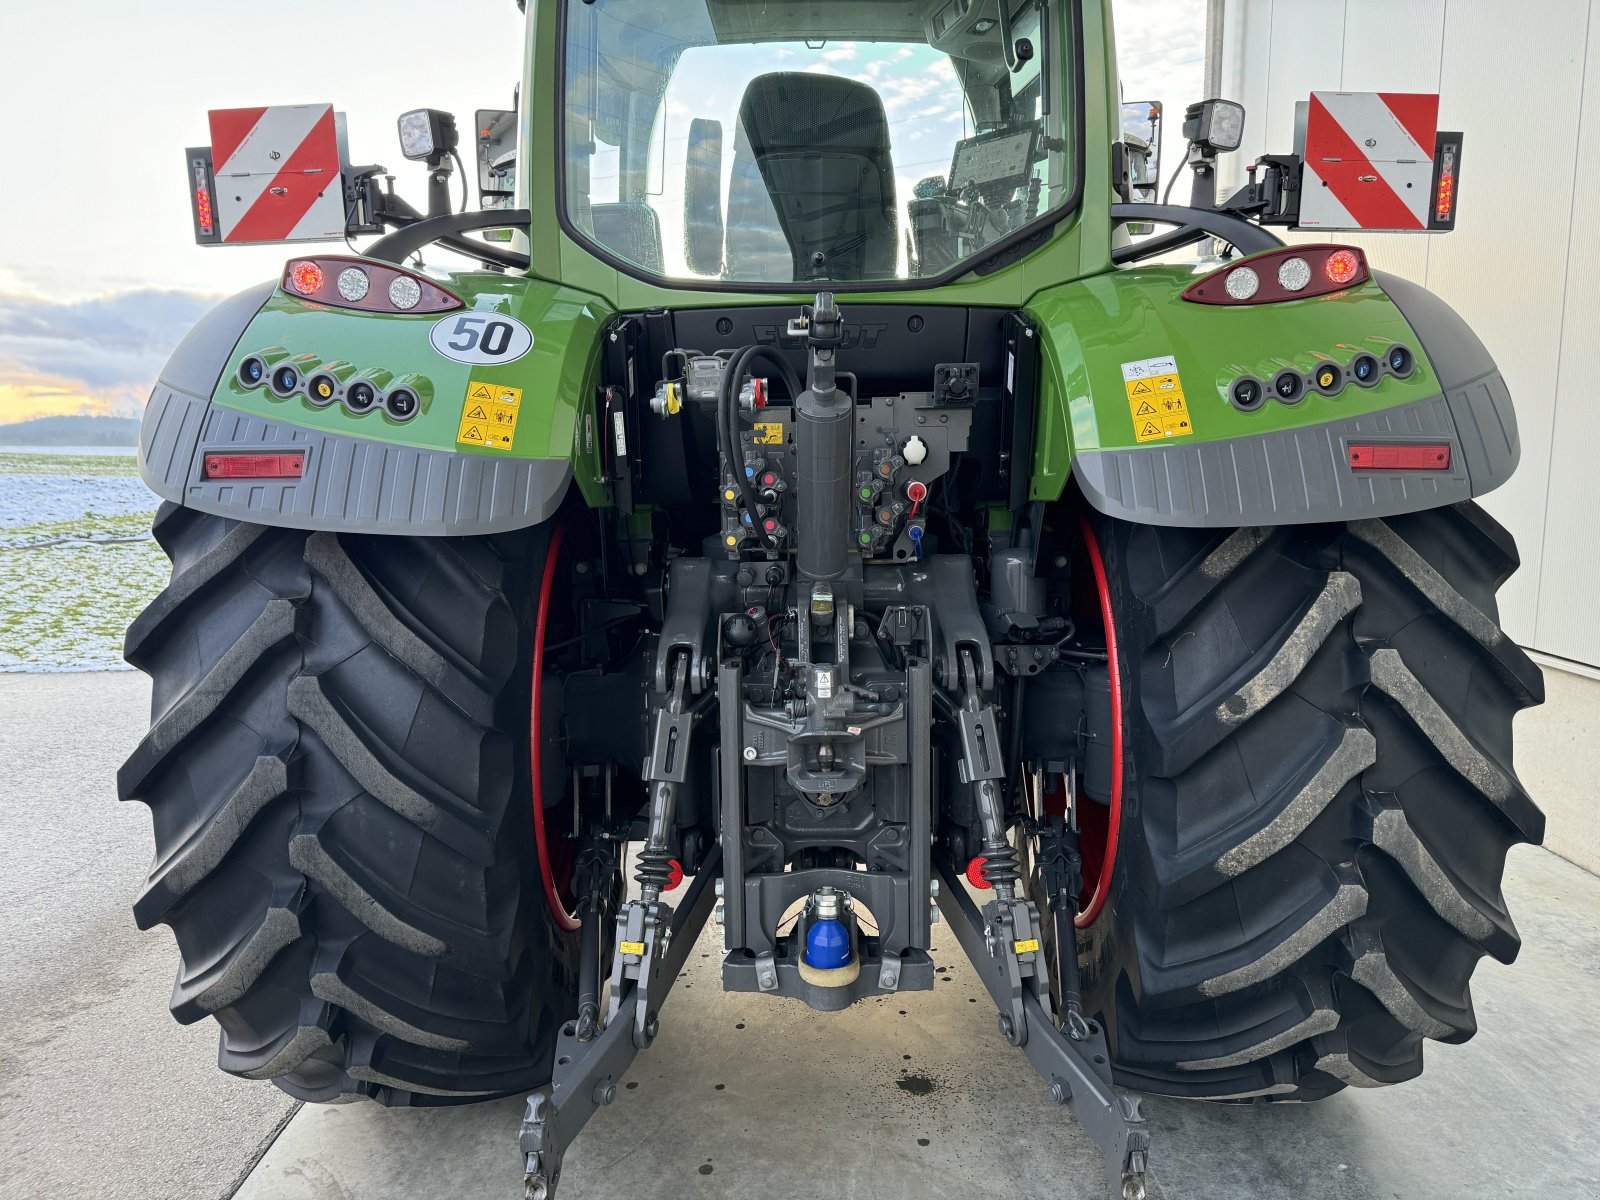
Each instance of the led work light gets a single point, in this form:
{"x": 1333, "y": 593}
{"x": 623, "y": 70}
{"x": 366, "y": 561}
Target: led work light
{"x": 1214, "y": 125}
{"x": 427, "y": 134}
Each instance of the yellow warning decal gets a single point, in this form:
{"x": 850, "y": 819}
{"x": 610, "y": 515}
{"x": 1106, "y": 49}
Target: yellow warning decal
{"x": 489, "y": 415}
{"x": 769, "y": 433}
{"x": 1155, "y": 399}
{"x": 634, "y": 948}
{"x": 1026, "y": 947}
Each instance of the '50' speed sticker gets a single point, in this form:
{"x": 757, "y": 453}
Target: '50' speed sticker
{"x": 481, "y": 338}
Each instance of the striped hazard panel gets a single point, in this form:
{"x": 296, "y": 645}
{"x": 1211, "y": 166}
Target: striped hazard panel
{"x": 1369, "y": 160}
{"x": 277, "y": 172}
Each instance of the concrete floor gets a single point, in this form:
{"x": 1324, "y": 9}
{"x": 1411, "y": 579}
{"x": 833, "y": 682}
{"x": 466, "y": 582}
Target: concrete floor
{"x": 101, "y": 1094}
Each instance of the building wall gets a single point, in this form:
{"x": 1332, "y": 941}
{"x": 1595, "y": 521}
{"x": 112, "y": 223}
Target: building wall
{"x": 1523, "y": 266}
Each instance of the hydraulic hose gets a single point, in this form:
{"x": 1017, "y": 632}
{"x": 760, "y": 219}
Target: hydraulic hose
{"x": 728, "y": 418}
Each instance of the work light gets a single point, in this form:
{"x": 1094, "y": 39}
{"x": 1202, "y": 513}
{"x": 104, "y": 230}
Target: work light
{"x": 1214, "y": 125}
{"x": 427, "y": 134}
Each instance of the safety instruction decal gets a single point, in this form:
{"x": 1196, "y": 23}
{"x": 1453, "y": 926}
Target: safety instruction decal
{"x": 1155, "y": 399}
{"x": 489, "y": 416}
{"x": 769, "y": 433}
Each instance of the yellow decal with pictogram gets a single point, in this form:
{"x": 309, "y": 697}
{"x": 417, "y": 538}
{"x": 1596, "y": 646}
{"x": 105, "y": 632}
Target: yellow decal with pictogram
{"x": 489, "y": 415}
{"x": 769, "y": 433}
{"x": 1156, "y": 402}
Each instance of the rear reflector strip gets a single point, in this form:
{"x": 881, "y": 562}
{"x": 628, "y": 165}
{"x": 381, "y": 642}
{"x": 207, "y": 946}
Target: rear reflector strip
{"x": 1410, "y": 457}
{"x": 255, "y": 466}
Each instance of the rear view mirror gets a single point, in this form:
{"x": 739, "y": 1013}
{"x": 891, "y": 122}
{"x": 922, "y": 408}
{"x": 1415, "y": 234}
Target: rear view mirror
{"x": 703, "y": 229}
{"x": 1141, "y": 134}
{"x": 497, "y": 157}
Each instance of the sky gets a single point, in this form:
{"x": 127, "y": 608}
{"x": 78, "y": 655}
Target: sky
{"x": 99, "y": 273}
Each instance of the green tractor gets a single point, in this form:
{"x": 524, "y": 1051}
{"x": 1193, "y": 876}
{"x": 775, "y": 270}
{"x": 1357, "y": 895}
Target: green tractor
{"x": 811, "y": 496}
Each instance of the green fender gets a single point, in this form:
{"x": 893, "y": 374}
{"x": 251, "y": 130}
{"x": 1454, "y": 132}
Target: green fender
{"x": 436, "y": 473}
{"x": 1198, "y": 460}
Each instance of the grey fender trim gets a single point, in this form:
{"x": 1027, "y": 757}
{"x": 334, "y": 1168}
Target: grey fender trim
{"x": 351, "y": 485}
{"x": 1479, "y": 399}
{"x": 1292, "y": 477}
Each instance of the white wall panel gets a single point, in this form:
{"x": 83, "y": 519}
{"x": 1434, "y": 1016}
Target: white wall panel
{"x": 1392, "y": 45}
{"x": 1514, "y": 86}
{"x": 1569, "y": 592}
{"x": 1307, "y": 46}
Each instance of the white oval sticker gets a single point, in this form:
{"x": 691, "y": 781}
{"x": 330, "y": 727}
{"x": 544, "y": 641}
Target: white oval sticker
{"x": 481, "y": 337}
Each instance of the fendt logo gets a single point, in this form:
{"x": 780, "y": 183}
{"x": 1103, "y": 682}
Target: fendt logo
{"x": 856, "y": 337}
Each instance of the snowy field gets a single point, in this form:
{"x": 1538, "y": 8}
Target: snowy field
{"x": 77, "y": 561}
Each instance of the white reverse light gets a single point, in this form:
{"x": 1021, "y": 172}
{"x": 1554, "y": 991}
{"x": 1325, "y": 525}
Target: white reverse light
{"x": 405, "y": 292}
{"x": 354, "y": 284}
{"x": 1294, "y": 274}
{"x": 1243, "y": 283}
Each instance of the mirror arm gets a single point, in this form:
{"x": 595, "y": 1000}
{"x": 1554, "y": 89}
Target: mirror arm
{"x": 447, "y": 230}
{"x": 1194, "y": 224}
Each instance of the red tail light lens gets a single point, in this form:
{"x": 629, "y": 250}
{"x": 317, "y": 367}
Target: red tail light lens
{"x": 255, "y": 466}
{"x": 307, "y": 278}
{"x": 366, "y": 286}
{"x": 1408, "y": 457}
{"x": 1341, "y": 267}
{"x": 1280, "y": 275}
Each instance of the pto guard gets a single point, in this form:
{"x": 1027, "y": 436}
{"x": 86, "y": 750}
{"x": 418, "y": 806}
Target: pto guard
{"x": 1282, "y": 463}
{"x": 367, "y": 473}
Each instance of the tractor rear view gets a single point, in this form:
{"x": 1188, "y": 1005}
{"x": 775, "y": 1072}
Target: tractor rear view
{"x": 808, "y": 496}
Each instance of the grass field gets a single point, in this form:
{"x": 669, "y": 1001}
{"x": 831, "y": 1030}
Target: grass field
{"x": 77, "y": 561}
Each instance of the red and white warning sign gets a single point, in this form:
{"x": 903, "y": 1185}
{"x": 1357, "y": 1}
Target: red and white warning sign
{"x": 1369, "y": 161}
{"x": 277, "y": 174}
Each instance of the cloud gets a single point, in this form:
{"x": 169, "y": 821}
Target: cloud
{"x": 98, "y": 356}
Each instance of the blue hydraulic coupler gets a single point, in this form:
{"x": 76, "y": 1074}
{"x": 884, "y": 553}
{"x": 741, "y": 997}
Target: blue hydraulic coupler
{"x": 827, "y": 937}
{"x": 827, "y": 945}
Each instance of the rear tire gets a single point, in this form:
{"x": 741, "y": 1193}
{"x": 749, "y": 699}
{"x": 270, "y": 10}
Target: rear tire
{"x": 342, "y": 828}
{"x": 1317, "y": 802}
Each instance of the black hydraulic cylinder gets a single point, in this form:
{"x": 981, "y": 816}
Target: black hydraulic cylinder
{"x": 823, "y": 427}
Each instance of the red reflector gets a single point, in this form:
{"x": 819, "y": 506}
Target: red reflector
{"x": 255, "y": 466}
{"x": 1400, "y": 458}
{"x": 674, "y": 876}
{"x": 975, "y": 875}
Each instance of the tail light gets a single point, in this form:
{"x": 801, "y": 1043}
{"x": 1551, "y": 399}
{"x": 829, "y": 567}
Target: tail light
{"x": 255, "y": 466}
{"x": 366, "y": 286}
{"x": 1293, "y": 273}
{"x": 1408, "y": 456}
{"x": 1446, "y": 171}
{"x": 204, "y": 215}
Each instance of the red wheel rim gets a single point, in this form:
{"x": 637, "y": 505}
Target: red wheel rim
{"x": 1102, "y": 881}
{"x": 552, "y": 897}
